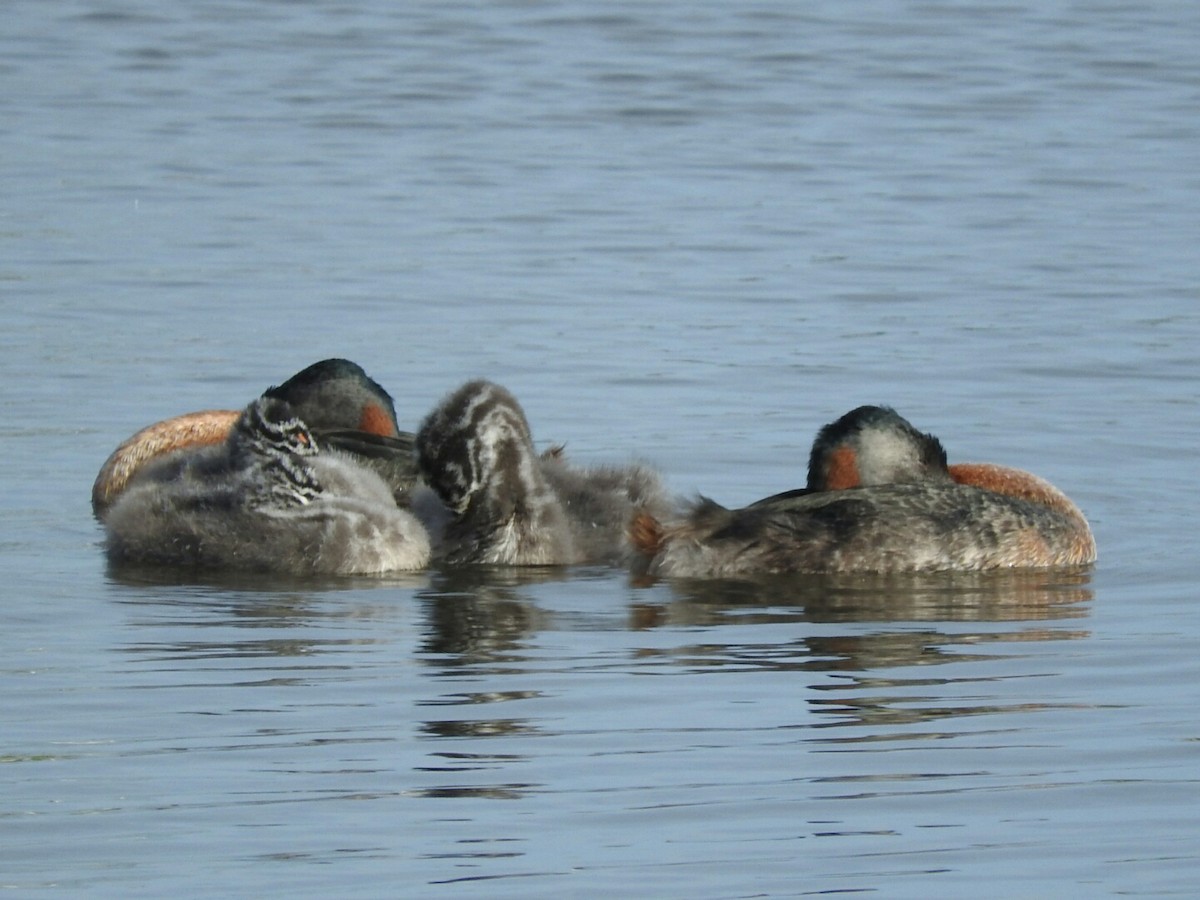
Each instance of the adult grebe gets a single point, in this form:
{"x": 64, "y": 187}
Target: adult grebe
{"x": 880, "y": 498}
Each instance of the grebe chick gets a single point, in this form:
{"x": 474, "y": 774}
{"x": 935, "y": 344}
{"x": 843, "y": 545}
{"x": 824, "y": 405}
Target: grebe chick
{"x": 475, "y": 451}
{"x": 921, "y": 520}
{"x": 600, "y": 500}
{"x": 266, "y": 499}
{"x": 509, "y": 506}
{"x": 342, "y": 405}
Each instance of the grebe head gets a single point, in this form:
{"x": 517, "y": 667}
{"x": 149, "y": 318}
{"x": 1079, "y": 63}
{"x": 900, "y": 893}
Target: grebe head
{"x": 477, "y": 444}
{"x": 271, "y": 441}
{"x": 269, "y": 427}
{"x": 338, "y": 394}
{"x": 873, "y": 445}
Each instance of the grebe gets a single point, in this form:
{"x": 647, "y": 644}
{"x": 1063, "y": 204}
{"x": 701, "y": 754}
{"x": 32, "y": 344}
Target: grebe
{"x": 265, "y": 499}
{"x": 342, "y": 405}
{"x": 873, "y": 445}
{"x": 509, "y": 506}
{"x": 880, "y": 498}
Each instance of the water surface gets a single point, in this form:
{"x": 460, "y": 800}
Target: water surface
{"x": 684, "y": 233}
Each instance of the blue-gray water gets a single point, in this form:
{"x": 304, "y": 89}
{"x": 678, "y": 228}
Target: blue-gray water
{"x": 689, "y": 233}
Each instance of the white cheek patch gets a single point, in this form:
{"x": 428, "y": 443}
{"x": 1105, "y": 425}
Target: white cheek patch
{"x": 884, "y": 458}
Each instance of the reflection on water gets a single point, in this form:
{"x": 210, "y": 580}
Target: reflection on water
{"x": 953, "y": 598}
{"x": 579, "y": 691}
{"x": 481, "y": 615}
{"x": 517, "y": 685}
{"x": 231, "y": 623}
{"x": 211, "y": 581}
{"x": 876, "y": 699}
{"x": 488, "y": 620}
{"x": 943, "y": 596}
{"x": 855, "y": 632}
{"x": 481, "y": 620}
{"x": 690, "y": 231}
{"x": 884, "y": 712}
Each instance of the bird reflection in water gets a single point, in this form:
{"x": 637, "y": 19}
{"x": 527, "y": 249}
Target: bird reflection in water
{"x": 233, "y": 611}
{"x": 869, "y": 680}
{"x": 481, "y": 622}
{"x": 999, "y": 596}
{"x": 480, "y": 616}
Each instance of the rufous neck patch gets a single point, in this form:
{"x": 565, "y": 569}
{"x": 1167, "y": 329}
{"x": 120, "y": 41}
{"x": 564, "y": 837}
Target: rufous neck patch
{"x": 842, "y": 470}
{"x": 375, "y": 421}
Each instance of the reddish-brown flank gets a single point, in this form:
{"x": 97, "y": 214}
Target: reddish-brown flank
{"x": 1013, "y": 483}
{"x": 211, "y": 426}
